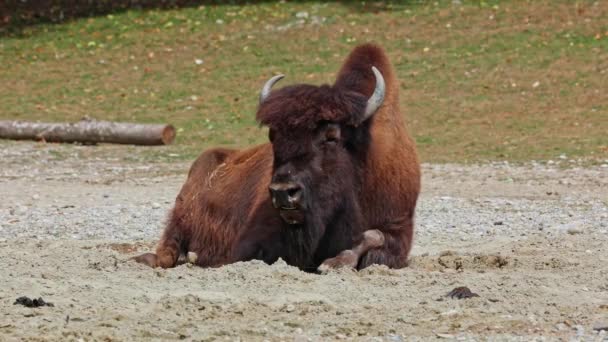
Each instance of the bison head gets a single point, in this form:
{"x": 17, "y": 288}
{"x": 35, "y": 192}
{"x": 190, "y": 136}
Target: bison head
{"x": 318, "y": 135}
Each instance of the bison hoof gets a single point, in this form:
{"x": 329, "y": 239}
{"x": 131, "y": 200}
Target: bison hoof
{"x": 346, "y": 258}
{"x": 148, "y": 259}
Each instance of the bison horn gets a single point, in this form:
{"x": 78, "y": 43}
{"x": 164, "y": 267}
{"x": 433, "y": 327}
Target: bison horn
{"x": 375, "y": 101}
{"x": 266, "y": 89}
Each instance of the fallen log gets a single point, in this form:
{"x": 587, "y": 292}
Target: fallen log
{"x": 89, "y": 131}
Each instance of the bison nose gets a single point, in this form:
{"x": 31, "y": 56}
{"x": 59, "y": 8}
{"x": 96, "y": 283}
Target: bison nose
{"x": 285, "y": 195}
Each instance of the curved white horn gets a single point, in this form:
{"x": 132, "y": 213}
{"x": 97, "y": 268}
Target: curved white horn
{"x": 266, "y": 89}
{"x": 375, "y": 101}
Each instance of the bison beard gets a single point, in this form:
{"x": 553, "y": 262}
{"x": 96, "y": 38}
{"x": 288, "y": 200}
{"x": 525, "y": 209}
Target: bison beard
{"x": 331, "y": 219}
{"x": 336, "y": 186}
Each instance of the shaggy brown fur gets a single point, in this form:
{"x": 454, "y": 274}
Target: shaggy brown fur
{"x": 391, "y": 175}
{"x": 363, "y": 182}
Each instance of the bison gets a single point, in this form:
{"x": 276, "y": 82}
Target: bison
{"x": 336, "y": 185}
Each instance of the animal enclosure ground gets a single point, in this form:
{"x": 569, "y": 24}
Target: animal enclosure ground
{"x": 480, "y": 80}
{"x": 529, "y": 239}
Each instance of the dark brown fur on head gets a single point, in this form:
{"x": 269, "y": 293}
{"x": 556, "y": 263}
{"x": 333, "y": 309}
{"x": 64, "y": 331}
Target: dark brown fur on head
{"x": 300, "y": 118}
{"x": 302, "y": 107}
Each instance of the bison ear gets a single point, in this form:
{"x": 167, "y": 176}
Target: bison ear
{"x": 376, "y": 99}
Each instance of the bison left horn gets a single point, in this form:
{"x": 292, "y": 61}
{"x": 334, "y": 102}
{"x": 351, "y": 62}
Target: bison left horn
{"x": 375, "y": 101}
{"x": 268, "y": 86}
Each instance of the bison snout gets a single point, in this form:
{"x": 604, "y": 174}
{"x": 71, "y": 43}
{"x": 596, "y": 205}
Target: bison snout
{"x": 286, "y": 196}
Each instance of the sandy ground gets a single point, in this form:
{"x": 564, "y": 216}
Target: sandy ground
{"x": 531, "y": 240}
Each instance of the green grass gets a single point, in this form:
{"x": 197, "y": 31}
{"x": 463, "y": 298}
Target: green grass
{"x": 515, "y": 80}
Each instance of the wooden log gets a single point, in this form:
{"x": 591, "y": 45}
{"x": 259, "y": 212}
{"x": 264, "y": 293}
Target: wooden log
{"x": 89, "y": 131}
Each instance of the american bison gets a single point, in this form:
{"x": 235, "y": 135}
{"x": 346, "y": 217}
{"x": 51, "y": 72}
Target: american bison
{"x": 336, "y": 185}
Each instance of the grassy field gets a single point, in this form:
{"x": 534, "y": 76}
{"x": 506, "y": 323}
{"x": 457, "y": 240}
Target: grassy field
{"x": 514, "y": 80}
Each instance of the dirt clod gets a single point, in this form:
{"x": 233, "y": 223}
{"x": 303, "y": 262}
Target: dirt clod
{"x": 32, "y": 303}
{"x": 461, "y": 292}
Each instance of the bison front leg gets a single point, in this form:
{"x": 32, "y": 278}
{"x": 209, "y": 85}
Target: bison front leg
{"x": 167, "y": 250}
{"x": 166, "y": 255}
{"x": 350, "y": 257}
{"x": 397, "y": 245}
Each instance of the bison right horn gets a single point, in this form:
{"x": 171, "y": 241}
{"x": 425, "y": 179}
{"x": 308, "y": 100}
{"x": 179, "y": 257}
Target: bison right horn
{"x": 375, "y": 101}
{"x": 268, "y": 86}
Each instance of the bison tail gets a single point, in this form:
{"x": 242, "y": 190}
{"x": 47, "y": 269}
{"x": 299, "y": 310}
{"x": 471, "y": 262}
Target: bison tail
{"x": 356, "y": 72}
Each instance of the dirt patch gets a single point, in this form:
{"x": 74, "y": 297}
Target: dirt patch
{"x": 452, "y": 261}
{"x": 537, "y": 261}
{"x": 124, "y": 300}
{"x": 127, "y": 248}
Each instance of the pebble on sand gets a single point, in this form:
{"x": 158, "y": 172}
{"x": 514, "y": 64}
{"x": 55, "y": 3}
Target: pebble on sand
{"x": 601, "y": 325}
{"x": 575, "y": 230}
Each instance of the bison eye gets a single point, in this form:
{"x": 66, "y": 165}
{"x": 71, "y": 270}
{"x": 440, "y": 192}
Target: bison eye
{"x": 332, "y": 134}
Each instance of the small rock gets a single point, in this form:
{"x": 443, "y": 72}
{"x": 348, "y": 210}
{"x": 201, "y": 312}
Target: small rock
{"x": 394, "y": 338}
{"x": 451, "y": 312}
{"x": 192, "y": 257}
{"x": 580, "y": 331}
{"x": 198, "y": 61}
{"x": 155, "y": 205}
{"x": 290, "y": 308}
{"x": 444, "y": 335}
{"x": 302, "y": 15}
{"x": 601, "y": 325}
{"x": 36, "y": 196}
{"x": 498, "y": 223}
{"x": 575, "y": 230}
